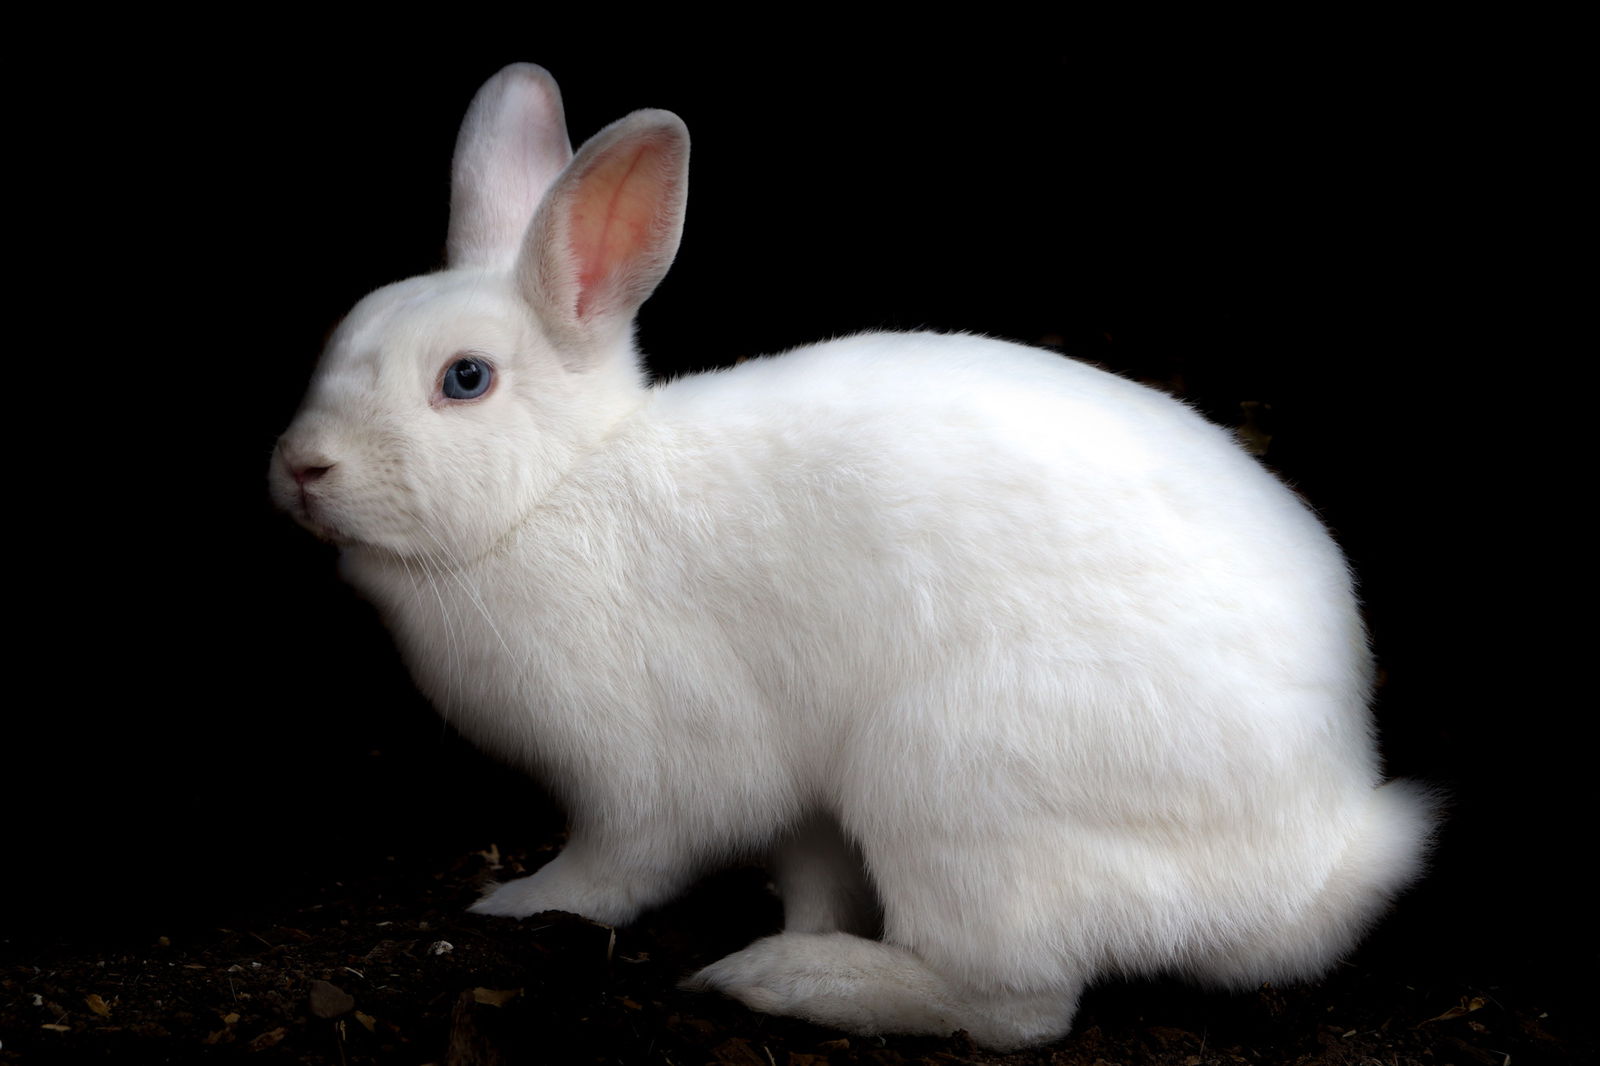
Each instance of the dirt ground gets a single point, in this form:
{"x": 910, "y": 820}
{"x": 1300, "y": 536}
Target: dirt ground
{"x": 390, "y": 969}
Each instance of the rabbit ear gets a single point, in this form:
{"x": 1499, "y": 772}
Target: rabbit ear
{"x": 512, "y": 146}
{"x": 606, "y": 233}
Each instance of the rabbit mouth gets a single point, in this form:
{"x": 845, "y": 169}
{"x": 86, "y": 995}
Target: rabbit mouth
{"x": 329, "y": 534}
{"x": 321, "y": 529}
{"x": 311, "y": 514}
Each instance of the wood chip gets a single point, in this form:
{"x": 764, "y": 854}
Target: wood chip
{"x": 1467, "y": 1006}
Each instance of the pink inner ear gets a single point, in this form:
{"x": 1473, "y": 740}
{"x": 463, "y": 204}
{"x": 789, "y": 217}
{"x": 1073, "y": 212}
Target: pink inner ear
{"x": 614, "y": 223}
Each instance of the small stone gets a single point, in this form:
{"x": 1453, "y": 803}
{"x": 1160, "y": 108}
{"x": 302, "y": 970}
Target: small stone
{"x": 329, "y": 1000}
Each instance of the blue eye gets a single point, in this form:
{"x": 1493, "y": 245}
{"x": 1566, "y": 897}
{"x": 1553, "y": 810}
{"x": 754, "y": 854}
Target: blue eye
{"x": 467, "y": 379}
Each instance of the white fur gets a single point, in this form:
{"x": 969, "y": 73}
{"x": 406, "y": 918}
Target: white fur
{"x": 1027, "y": 660}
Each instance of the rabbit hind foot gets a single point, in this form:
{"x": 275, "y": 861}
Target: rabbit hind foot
{"x": 870, "y": 987}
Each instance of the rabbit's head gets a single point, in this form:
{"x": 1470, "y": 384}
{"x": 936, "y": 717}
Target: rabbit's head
{"x": 446, "y": 406}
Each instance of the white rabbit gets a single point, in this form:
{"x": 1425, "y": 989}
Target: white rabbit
{"x": 1023, "y": 666}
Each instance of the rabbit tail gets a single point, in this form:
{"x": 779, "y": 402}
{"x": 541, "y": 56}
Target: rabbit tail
{"x": 1383, "y": 857}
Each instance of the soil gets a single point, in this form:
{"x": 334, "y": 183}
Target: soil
{"x": 391, "y": 969}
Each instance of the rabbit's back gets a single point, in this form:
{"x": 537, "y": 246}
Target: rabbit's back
{"x": 953, "y": 493}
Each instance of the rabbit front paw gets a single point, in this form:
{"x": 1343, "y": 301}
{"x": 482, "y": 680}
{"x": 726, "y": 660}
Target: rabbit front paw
{"x": 582, "y": 881}
{"x": 523, "y": 897}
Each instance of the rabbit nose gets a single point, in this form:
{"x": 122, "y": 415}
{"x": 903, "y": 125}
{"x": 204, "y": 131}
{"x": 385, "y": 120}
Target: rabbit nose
{"x": 303, "y": 474}
{"x": 304, "y": 465}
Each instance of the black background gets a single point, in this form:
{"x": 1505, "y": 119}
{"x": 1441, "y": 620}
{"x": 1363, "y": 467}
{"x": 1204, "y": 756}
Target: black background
{"x": 207, "y": 721}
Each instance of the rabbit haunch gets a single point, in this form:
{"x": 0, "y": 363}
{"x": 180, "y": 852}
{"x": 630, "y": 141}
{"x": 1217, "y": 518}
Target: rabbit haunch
{"x": 1021, "y": 673}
